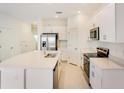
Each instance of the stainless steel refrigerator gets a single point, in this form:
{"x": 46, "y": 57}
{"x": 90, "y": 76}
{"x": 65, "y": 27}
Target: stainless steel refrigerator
{"x": 49, "y": 41}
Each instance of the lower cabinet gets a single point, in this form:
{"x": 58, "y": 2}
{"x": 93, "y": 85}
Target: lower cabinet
{"x": 39, "y": 79}
{"x": 95, "y": 77}
{"x": 106, "y": 78}
{"x": 11, "y": 78}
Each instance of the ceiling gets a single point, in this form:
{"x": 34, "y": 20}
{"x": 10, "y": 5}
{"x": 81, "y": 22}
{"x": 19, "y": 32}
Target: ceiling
{"x": 36, "y": 11}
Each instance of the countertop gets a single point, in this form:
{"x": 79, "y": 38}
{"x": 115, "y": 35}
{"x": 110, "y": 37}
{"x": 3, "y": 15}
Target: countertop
{"x": 106, "y": 63}
{"x": 88, "y": 50}
{"x": 29, "y": 60}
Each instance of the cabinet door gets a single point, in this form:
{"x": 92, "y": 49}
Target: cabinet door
{"x": 61, "y": 30}
{"x": 39, "y": 79}
{"x": 63, "y": 34}
{"x": 12, "y": 78}
{"x": 95, "y": 77}
{"x": 47, "y": 29}
{"x": 95, "y": 21}
{"x": 107, "y": 23}
{"x": 8, "y": 43}
{"x": 73, "y": 22}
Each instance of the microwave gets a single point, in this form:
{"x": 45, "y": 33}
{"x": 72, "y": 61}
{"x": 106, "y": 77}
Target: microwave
{"x": 94, "y": 33}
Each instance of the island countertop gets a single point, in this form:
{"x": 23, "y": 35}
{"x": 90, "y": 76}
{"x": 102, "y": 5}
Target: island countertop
{"x": 35, "y": 59}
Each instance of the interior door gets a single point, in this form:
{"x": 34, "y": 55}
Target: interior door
{"x": 73, "y": 50}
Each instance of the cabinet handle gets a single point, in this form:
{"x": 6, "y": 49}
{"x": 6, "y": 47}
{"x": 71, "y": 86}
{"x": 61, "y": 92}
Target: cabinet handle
{"x": 76, "y": 48}
{"x": 24, "y": 78}
{"x": 104, "y": 37}
{"x": 92, "y": 73}
{"x": 93, "y": 66}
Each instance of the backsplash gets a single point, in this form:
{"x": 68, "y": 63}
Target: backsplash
{"x": 116, "y": 49}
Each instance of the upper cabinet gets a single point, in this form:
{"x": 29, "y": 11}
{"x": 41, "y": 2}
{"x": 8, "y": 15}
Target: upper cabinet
{"x": 73, "y": 22}
{"x": 110, "y": 23}
{"x": 61, "y": 30}
{"x": 55, "y": 26}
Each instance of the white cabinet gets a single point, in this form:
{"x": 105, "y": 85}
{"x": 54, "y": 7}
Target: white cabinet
{"x": 106, "y": 74}
{"x": 95, "y": 77}
{"x": 110, "y": 21}
{"x": 39, "y": 79}
{"x": 107, "y": 23}
{"x": 61, "y": 30}
{"x": 12, "y": 78}
{"x": 47, "y": 29}
{"x": 73, "y": 22}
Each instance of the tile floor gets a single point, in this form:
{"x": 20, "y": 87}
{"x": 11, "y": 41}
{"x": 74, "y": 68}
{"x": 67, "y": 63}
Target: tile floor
{"x": 72, "y": 77}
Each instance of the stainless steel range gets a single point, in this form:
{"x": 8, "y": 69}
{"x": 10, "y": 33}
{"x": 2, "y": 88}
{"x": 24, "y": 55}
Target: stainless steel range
{"x": 101, "y": 53}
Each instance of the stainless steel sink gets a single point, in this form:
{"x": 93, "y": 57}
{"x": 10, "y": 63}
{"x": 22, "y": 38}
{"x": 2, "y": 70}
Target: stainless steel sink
{"x": 50, "y": 55}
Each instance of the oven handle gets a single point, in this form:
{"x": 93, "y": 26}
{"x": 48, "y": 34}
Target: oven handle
{"x": 85, "y": 58}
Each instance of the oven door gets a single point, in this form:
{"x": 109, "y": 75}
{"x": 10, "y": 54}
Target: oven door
{"x": 86, "y": 66}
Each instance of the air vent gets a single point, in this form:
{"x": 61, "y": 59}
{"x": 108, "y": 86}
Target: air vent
{"x": 58, "y": 12}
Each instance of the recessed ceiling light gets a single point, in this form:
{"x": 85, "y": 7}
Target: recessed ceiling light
{"x": 56, "y": 16}
{"x": 79, "y": 12}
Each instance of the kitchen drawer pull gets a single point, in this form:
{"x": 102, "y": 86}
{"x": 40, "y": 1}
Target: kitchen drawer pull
{"x": 92, "y": 73}
{"x": 93, "y": 66}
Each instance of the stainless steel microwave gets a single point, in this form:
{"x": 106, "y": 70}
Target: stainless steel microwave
{"x": 94, "y": 33}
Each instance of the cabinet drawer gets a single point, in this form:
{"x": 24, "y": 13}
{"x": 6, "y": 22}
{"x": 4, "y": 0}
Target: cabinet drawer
{"x": 96, "y": 69}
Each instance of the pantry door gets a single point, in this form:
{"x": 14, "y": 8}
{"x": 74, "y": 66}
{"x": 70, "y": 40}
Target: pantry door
{"x": 73, "y": 46}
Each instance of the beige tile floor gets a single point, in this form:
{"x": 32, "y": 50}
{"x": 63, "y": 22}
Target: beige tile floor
{"x": 72, "y": 77}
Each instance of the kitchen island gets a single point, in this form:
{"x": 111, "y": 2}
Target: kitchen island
{"x": 32, "y": 70}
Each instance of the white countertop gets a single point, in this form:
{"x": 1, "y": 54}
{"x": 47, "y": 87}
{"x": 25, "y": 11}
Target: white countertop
{"x": 106, "y": 63}
{"x": 29, "y": 60}
{"x": 88, "y": 50}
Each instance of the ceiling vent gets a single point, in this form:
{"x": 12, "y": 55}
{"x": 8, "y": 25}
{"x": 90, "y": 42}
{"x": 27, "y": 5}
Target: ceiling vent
{"x": 58, "y": 12}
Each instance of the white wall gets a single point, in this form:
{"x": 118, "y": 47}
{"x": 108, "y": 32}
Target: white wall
{"x": 15, "y": 37}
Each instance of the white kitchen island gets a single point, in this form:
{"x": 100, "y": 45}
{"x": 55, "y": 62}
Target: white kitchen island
{"x": 30, "y": 70}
